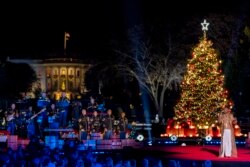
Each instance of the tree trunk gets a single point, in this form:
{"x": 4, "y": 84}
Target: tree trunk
{"x": 157, "y": 105}
{"x": 161, "y": 105}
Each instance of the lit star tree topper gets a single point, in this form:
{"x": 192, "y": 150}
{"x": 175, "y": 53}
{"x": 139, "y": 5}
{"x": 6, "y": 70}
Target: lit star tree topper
{"x": 204, "y": 25}
{"x": 203, "y": 94}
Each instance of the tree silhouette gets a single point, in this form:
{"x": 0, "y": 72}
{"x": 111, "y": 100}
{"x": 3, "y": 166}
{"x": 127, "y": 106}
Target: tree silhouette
{"x": 155, "y": 71}
{"x": 15, "y": 78}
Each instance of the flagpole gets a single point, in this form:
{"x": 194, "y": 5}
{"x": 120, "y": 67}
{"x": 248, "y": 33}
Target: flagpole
{"x": 66, "y": 37}
{"x": 65, "y": 43}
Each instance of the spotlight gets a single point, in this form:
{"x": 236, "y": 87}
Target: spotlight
{"x": 140, "y": 137}
{"x": 173, "y": 138}
{"x": 183, "y": 144}
{"x": 208, "y": 138}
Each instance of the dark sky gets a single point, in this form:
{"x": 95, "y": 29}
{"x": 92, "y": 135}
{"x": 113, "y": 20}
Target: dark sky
{"x": 29, "y": 29}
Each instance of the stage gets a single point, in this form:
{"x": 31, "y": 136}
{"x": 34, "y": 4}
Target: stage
{"x": 187, "y": 155}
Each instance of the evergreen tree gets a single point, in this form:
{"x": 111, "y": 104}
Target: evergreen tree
{"x": 203, "y": 94}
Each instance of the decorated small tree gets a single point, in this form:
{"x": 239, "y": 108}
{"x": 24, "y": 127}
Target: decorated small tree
{"x": 202, "y": 90}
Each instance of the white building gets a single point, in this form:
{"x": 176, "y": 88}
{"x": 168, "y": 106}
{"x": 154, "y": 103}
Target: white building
{"x": 59, "y": 74}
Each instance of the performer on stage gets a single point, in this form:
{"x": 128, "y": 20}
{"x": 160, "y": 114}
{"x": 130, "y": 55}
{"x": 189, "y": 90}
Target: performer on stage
{"x": 42, "y": 117}
{"x": 31, "y": 130}
{"x": 11, "y": 116}
{"x": 21, "y": 129}
{"x": 53, "y": 116}
{"x": 123, "y": 125}
{"x": 43, "y": 101}
{"x": 228, "y": 145}
{"x": 52, "y": 110}
{"x": 108, "y": 124}
{"x": 83, "y": 122}
{"x": 95, "y": 122}
{"x": 63, "y": 106}
{"x": 76, "y": 112}
{"x": 92, "y": 105}
{"x": 2, "y": 120}
{"x": 29, "y": 113}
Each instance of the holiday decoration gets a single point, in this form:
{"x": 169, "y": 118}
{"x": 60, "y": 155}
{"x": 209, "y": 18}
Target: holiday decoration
{"x": 203, "y": 94}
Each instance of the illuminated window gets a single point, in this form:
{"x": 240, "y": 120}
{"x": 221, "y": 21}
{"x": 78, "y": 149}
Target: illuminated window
{"x": 71, "y": 73}
{"x": 55, "y": 73}
{"x": 63, "y": 72}
{"x": 48, "y": 72}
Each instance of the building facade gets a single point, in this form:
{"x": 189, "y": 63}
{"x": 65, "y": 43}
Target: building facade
{"x": 57, "y": 75}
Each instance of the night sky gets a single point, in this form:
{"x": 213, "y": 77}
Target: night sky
{"x": 29, "y": 30}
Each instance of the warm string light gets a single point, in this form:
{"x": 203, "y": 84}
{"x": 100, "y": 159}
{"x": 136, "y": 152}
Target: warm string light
{"x": 203, "y": 94}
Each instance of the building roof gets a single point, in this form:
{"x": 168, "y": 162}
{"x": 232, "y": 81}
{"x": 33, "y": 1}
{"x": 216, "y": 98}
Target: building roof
{"x": 48, "y": 61}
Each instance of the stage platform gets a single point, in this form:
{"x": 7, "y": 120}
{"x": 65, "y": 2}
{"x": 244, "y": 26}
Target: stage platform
{"x": 185, "y": 156}
{"x": 195, "y": 154}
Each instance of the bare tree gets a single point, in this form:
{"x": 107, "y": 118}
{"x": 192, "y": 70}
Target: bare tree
{"x": 155, "y": 72}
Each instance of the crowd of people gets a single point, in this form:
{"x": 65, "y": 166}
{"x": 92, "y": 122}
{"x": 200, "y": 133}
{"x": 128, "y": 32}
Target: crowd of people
{"x": 38, "y": 155}
{"x": 64, "y": 114}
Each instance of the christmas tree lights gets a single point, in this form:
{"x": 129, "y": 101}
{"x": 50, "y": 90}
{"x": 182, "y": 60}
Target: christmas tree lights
{"x": 202, "y": 91}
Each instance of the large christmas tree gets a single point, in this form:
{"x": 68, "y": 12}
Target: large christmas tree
{"x": 202, "y": 91}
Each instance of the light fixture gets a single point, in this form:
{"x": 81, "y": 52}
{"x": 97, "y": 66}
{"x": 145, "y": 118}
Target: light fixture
{"x": 208, "y": 138}
{"x": 140, "y": 137}
{"x": 173, "y": 138}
